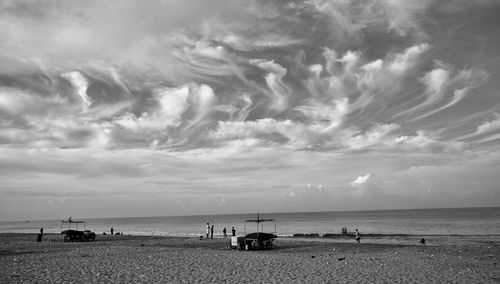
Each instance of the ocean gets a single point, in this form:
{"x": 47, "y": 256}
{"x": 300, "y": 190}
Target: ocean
{"x": 420, "y": 222}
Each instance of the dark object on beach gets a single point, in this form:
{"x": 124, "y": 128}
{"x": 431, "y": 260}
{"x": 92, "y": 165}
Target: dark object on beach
{"x": 104, "y": 233}
{"x": 253, "y": 241}
{"x": 312, "y": 256}
{"x": 260, "y": 235}
{"x": 76, "y": 235}
{"x": 358, "y": 236}
{"x": 112, "y": 230}
{"x": 341, "y": 258}
{"x": 41, "y": 231}
{"x": 233, "y": 231}
{"x": 422, "y": 241}
{"x": 257, "y": 240}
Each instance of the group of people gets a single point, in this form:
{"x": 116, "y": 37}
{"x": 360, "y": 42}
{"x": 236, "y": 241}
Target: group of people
{"x": 357, "y": 235}
{"x": 210, "y": 231}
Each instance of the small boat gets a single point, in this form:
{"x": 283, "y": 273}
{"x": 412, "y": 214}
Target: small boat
{"x": 255, "y": 240}
{"x": 76, "y": 235}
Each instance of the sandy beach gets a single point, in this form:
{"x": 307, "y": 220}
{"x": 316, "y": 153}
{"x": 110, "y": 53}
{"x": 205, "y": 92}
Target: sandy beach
{"x": 133, "y": 259}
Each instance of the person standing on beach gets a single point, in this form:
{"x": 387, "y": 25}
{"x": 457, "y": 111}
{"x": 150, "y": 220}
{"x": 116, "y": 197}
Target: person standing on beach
{"x": 358, "y": 236}
{"x": 224, "y": 232}
{"x": 112, "y": 230}
{"x": 39, "y": 238}
{"x": 208, "y": 229}
{"x": 233, "y": 231}
{"x": 212, "y": 232}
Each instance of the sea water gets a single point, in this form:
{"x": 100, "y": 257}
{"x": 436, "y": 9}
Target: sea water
{"x": 455, "y": 221}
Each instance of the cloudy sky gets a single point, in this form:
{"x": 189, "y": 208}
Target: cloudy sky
{"x": 144, "y": 108}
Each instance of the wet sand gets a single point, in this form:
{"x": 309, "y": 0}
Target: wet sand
{"x": 132, "y": 259}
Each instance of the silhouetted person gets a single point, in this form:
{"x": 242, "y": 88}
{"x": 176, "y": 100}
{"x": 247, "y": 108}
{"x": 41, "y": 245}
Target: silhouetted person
{"x": 224, "y": 232}
{"x": 233, "y": 231}
{"x": 422, "y": 241}
{"x": 212, "y": 232}
{"x": 39, "y": 237}
{"x": 358, "y": 236}
{"x": 112, "y": 230}
{"x": 208, "y": 229}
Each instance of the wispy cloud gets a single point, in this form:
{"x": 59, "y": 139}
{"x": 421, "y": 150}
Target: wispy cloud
{"x": 224, "y": 101}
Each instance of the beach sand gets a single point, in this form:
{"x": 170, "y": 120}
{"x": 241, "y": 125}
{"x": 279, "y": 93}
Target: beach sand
{"x": 132, "y": 259}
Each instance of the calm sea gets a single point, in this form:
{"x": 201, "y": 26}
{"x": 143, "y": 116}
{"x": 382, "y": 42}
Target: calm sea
{"x": 459, "y": 221}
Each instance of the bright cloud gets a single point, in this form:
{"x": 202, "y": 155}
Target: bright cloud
{"x": 366, "y": 185}
{"x": 81, "y": 85}
{"x": 361, "y": 180}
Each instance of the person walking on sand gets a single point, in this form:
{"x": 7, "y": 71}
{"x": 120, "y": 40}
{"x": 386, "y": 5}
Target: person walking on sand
{"x": 233, "y": 231}
{"x": 358, "y": 236}
{"x": 212, "y": 232}
{"x": 208, "y": 229}
{"x": 224, "y": 232}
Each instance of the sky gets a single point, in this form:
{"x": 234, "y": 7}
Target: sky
{"x": 162, "y": 107}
